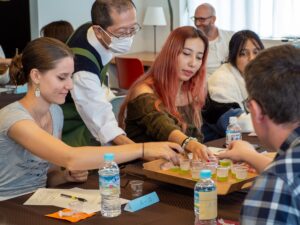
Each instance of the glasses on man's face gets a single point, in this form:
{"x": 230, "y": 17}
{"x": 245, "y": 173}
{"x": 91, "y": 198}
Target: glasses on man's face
{"x": 246, "y": 104}
{"x": 200, "y": 19}
{"x": 125, "y": 32}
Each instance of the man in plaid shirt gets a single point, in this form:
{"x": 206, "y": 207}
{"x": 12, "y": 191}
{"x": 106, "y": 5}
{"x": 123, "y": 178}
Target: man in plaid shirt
{"x": 273, "y": 82}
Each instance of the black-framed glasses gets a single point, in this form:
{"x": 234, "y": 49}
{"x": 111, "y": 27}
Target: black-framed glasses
{"x": 125, "y": 32}
{"x": 200, "y": 19}
{"x": 246, "y": 103}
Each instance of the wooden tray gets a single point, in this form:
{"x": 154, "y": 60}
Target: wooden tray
{"x": 153, "y": 171}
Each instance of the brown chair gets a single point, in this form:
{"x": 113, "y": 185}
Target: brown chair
{"x": 128, "y": 69}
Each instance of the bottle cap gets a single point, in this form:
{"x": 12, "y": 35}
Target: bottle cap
{"x": 232, "y": 119}
{"x": 204, "y": 174}
{"x": 109, "y": 157}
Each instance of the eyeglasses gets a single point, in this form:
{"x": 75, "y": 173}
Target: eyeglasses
{"x": 124, "y": 33}
{"x": 246, "y": 105}
{"x": 200, "y": 19}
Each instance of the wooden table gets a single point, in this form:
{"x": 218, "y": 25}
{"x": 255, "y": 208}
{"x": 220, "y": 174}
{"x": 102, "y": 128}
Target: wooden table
{"x": 146, "y": 57}
{"x": 176, "y": 206}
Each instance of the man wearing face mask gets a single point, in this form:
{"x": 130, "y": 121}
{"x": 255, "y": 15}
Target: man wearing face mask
{"x": 89, "y": 119}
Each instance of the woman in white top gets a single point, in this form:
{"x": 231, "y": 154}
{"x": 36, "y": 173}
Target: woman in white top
{"x": 226, "y": 86}
{"x": 30, "y": 128}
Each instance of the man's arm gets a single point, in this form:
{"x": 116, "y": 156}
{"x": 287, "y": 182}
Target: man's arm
{"x": 245, "y": 152}
{"x": 122, "y": 140}
{"x": 92, "y": 103}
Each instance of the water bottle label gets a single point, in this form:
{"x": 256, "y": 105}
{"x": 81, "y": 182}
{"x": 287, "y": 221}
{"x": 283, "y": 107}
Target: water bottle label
{"x": 110, "y": 181}
{"x": 205, "y": 204}
{"x": 232, "y": 136}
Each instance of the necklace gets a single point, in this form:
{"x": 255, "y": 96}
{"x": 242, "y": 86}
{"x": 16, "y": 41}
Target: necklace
{"x": 43, "y": 118}
{"x": 44, "y": 121}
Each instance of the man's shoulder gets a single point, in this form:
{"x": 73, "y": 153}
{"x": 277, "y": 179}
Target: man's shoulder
{"x": 79, "y": 35}
{"x": 270, "y": 189}
{"x": 285, "y": 167}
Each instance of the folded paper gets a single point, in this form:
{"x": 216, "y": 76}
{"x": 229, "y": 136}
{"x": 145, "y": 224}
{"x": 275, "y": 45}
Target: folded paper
{"x": 142, "y": 202}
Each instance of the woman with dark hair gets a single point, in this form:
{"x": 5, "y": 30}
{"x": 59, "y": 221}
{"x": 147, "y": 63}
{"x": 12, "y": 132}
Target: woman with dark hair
{"x": 30, "y": 128}
{"x": 60, "y": 30}
{"x": 226, "y": 86}
{"x": 164, "y": 104}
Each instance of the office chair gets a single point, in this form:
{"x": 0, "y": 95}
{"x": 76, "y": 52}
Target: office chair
{"x": 128, "y": 69}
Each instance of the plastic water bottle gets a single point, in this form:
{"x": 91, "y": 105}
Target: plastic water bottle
{"x": 109, "y": 184}
{"x": 205, "y": 200}
{"x": 233, "y": 131}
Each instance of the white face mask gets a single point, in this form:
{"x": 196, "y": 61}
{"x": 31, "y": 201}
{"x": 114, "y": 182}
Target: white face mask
{"x": 120, "y": 45}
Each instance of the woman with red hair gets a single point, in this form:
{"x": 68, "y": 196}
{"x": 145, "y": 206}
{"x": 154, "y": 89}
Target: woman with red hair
{"x": 165, "y": 103}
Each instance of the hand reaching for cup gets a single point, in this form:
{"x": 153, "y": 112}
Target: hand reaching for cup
{"x": 166, "y": 150}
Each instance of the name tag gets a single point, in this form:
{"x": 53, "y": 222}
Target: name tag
{"x": 142, "y": 202}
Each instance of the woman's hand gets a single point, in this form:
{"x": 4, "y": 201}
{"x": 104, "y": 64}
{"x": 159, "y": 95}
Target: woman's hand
{"x": 165, "y": 150}
{"x": 199, "y": 150}
{"x": 76, "y": 175}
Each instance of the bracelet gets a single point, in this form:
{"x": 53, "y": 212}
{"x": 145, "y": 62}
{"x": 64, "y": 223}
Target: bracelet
{"x": 183, "y": 141}
{"x": 187, "y": 140}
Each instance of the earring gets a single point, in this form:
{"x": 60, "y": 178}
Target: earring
{"x": 37, "y": 91}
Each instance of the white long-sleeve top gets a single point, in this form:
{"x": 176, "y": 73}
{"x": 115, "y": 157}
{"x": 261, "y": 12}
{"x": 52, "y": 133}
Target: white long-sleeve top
{"x": 92, "y": 99}
{"x": 226, "y": 85}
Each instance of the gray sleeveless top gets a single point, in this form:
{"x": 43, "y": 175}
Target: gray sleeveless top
{"x": 20, "y": 171}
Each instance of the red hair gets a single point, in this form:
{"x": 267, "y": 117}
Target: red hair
{"x": 162, "y": 77}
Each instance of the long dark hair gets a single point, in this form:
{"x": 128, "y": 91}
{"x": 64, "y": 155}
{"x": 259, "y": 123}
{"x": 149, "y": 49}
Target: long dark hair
{"x": 238, "y": 41}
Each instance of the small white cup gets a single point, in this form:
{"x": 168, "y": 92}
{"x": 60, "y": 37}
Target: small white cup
{"x": 212, "y": 166}
{"x": 185, "y": 164}
{"x": 74, "y": 206}
{"x": 196, "y": 166}
{"x": 222, "y": 173}
{"x": 241, "y": 172}
{"x": 136, "y": 187}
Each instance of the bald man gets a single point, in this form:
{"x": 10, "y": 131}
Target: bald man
{"x": 204, "y": 19}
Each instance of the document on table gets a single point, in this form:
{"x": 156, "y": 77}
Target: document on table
{"x": 49, "y": 196}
